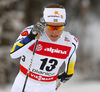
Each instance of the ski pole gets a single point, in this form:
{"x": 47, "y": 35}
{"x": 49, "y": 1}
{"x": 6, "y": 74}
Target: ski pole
{"x": 58, "y": 85}
{"x": 38, "y": 36}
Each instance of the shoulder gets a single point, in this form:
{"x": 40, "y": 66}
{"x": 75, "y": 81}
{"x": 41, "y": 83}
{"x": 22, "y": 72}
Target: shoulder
{"x": 74, "y": 40}
{"x": 26, "y": 30}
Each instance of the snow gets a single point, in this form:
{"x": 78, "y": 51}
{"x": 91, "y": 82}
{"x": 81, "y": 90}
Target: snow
{"x": 75, "y": 84}
{"x": 71, "y": 86}
{"x": 78, "y": 84}
{"x": 91, "y": 86}
{"x": 7, "y": 88}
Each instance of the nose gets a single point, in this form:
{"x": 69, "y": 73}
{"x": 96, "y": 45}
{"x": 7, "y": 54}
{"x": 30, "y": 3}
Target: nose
{"x": 55, "y": 31}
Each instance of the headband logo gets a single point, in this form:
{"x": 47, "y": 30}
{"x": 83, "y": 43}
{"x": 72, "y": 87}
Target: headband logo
{"x": 61, "y": 16}
{"x": 55, "y": 20}
{"x": 56, "y": 13}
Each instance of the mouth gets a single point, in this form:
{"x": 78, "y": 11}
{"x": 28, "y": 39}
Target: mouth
{"x": 54, "y": 36}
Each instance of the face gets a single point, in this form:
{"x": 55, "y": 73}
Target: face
{"x": 53, "y": 34}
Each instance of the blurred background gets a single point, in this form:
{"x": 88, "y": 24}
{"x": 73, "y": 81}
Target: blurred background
{"x": 83, "y": 21}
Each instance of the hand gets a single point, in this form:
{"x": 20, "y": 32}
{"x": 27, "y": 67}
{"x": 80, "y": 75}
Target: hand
{"x": 64, "y": 77}
{"x": 38, "y": 28}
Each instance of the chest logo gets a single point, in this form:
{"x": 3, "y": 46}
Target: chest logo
{"x": 39, "y": 47}
{"x": 25, "y": 33}
{"x": 66, "y": 39}
{"x": 51, "y": 50}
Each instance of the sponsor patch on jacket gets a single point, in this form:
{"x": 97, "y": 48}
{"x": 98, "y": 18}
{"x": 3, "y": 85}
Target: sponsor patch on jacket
{"x": 25, "y": 33}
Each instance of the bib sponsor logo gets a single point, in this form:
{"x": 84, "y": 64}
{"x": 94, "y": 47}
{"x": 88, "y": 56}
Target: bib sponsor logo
{"x": 43, "y": 73}
{"x": 39, "y": 47}
{"x": 37, "y": 76}
{"x": 40, "y": 78}
{"x": 52, "y": 50}
{"x": 55, "y": 50}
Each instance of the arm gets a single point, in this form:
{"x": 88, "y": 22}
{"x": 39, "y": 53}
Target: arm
{"x": 23, "y": 42}
{"x": 26, "y": 39}
{"x": 70, "y": 62}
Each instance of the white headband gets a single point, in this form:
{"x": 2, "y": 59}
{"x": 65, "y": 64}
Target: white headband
{"x": 54, "y": 15}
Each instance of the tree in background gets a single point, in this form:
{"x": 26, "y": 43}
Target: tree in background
{"x": 17, "y": 14}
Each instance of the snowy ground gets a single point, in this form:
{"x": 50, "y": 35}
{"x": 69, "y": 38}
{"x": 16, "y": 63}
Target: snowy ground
{"x": 75, "y": 84}
{"x": 91, "y": 86}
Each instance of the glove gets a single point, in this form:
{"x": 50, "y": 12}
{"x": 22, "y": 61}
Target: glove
{"x": 64, "y": 77}
{"x": 38, "y": 28}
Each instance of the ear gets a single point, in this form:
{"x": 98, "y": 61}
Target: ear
{"x": 65, "y": 22}
{"x": 42, "y": 20}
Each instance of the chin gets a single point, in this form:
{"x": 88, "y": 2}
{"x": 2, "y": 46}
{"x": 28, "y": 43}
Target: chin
{"x": 54, "y": 40}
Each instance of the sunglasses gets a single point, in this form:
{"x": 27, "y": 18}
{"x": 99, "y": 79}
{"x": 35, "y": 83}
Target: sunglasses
{"x": 55, "y": 27}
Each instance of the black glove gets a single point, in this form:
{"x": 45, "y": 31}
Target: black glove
{"x": 64, "y": 77}
{"x": 38, "y": 28}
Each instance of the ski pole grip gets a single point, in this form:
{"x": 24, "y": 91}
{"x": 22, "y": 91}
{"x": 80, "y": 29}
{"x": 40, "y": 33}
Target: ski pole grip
{"x": 38, "y": 36}
{"x": 58, "y": 85}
